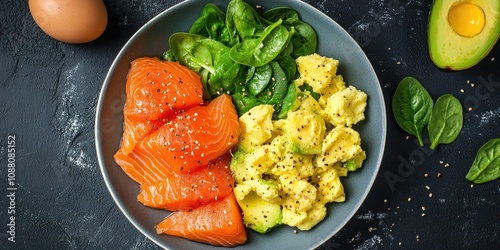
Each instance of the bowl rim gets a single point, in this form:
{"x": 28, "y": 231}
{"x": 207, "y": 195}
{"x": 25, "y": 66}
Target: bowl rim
{"x": 114, "y": 65}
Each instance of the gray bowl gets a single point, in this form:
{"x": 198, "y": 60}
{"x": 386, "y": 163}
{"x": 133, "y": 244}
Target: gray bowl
{"x": 152, "y": 40}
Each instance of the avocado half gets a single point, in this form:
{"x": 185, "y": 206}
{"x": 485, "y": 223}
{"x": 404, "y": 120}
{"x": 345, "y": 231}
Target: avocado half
{"x": 451, "y": 51}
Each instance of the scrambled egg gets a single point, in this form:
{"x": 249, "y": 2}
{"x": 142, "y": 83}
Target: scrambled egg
{"x": 295, "y": 164}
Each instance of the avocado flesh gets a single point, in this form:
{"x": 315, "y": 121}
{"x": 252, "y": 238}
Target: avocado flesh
{"x": 450, "y": 51}
{"x": 260, "y": 215}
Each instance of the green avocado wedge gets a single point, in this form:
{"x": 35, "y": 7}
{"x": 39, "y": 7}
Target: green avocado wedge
{"x": 450, "y": 50}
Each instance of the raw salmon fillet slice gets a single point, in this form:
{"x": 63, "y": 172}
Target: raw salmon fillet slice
{"x": 140, "y": 166}
{"x": 195, "y": 137}
{"x": 135, "y": 131}
{"x": 187, "y": 191}
{"x": 178, "y": 149}
{"x": 218, "y": 223}
{"x": 155, "y": 90}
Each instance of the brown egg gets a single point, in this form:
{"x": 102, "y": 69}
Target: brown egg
{"x": 70, "y": 21}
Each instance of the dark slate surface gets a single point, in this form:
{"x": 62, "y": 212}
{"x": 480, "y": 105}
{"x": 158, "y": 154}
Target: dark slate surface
{"x": 48, "y": 96}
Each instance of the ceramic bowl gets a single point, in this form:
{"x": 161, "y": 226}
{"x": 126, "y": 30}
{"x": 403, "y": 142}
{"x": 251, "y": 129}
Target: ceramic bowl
{"x": 152, "y": 40}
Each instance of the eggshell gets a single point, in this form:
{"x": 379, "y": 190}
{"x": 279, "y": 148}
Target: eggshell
{"x": 70, "y": 21}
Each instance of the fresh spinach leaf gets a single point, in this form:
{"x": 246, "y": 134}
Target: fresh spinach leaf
{"x": 168, "y": 56}
{"x": 211, "y": 24}
{"x": 260, "y": 51}
{"x": 304, "y": 37}
{"x": 226, "y": 72}
{"x": 486, "y": 165}
{"x": 308, "y": 88}
{"x": 187, "y": 50}
{"x": 242, "y": 22}
{"x": 446, "y": 120}
{"x": 208, "y": 58}
{"x": 412, "y": 107}
{"x": 278, "y": 13}
{"x": 287, "y": 63}
{"x": 204, "y": 74}
{"x": 249, "y": 56}
{"x": 244, "y": 102}
{"x": 276, "y": 89}
{"x": 261, "y": 77}
{"x": 250, "y": 73}
{"x": 288, "y": 101}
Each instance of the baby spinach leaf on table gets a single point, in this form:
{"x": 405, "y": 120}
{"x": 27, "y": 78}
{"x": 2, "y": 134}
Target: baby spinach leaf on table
{"x": 260, "y": 51}
{"x": 259, "y": 80}
{"x": 412, "y": 107}
{"x": 486, "y": 165}
{"x": 446, "y": 120}
{"x": 211, "y": 24}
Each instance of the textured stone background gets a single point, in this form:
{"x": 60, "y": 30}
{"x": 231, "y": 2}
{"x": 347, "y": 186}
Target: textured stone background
{"x": 49, "y": 91}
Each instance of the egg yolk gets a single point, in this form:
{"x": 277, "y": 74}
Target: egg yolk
{"x": 466, "y": 19}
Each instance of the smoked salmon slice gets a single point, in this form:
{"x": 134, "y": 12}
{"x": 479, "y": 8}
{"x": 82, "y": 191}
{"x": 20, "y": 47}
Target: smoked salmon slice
{"x": 187, "y": 191}
{"x": 155, "y": 90}
{"x": 194, "y": 137}
{"x": 218, "y": 223}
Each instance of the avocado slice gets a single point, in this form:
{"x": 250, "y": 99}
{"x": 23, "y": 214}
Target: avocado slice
{"x": 462, "y": 33}
{"x": 260, "y": 215}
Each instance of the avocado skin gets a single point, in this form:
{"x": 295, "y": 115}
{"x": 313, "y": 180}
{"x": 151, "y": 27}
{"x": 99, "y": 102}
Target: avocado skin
{"x": 452, "y": 52}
